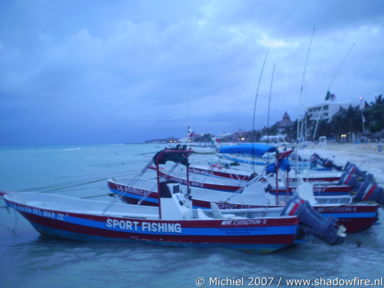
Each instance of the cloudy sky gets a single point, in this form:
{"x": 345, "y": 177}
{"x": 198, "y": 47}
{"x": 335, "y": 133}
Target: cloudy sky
{"x": 83, "y": 72}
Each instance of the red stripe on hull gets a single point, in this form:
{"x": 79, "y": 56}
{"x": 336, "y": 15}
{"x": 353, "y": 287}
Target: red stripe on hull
{"x": 354, "y": 225}
{"x": 347, "y": 208}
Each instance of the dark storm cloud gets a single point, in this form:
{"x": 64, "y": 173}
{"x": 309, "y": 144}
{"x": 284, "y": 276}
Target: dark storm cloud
{"x": 293, "y": 18}
{"x": 116, "y": 71}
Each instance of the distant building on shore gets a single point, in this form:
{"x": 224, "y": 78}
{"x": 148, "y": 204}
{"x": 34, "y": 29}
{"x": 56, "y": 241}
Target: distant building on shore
{"x": 326, "y": 110}
{"x": 284, "y": 124}
{"x": 164, "y": 140}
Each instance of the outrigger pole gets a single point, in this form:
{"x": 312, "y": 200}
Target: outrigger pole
{"x": 300, "y": 126}
{"x": 329, "y": 87}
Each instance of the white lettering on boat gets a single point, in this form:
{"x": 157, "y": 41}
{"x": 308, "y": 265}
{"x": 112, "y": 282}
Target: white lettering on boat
{"x": 255, "y": 221}
{"x": 40, "y": 212}
{"x": 159, "y": 227}
{"x": 132, "y": 190}
{"x": 340, "y": 209}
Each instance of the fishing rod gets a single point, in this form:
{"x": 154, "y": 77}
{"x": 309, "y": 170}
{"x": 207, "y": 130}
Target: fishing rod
{"x": 330, "y": 85}
{"x": 254, "y": 109}
{"x": 300, "y": 126}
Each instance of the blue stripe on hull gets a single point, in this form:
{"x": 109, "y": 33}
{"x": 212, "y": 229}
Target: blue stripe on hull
{"x": 262, "y": 248}
{"x": 350, "y": 215}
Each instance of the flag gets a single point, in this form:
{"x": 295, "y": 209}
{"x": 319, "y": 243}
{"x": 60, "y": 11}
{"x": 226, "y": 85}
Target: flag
{"x": 330, "y": 96}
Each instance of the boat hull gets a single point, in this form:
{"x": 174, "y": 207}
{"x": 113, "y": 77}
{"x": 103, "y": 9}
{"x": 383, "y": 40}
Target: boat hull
{"x": 318, "y": 190}
{"x": 238, "y": 184}
{"x": 261, "y": 235}
{"x": 223, "y": 172}
{"x": 355, "y": 217}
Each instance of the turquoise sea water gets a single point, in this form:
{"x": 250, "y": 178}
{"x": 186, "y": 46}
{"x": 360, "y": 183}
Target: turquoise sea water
{"x": 30, "y": 260}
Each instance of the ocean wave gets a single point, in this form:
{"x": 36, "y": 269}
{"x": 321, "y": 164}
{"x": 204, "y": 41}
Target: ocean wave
{"x": 72, "y": 149}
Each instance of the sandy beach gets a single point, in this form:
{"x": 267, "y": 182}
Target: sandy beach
{"x": 366, "y": 156}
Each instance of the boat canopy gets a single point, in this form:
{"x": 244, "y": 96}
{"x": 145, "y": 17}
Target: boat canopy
{"x": 257, "y": 149}
{"x": 178, "y": 154}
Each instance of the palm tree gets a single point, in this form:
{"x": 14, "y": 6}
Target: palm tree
{"x": 374, "y": 114}
{"x": 379, "y": 100}
{"x": 345, "y": 121}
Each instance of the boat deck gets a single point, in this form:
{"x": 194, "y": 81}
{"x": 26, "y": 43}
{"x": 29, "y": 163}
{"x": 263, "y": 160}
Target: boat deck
{"x": 64, "y": 204}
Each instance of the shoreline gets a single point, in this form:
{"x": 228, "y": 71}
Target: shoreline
{"x": 372, "y": 148}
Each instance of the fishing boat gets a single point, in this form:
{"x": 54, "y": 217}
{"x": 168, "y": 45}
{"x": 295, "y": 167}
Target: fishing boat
{"x": 355, "y": 217}
{"x": 172, "y": 222}
{"x": 352, "y": 182}
{"x": 241, "y": 172}
{"x": 137, "y": 192}
{"x": 226, "y": 184}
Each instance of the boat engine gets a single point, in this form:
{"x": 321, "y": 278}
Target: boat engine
{"x": 324, "y": 162}
{"x": 326, "y": 229}
{"x": 369, "y": 191}
{"x": 350, "y": 176}
{"x": 354, "y": 177}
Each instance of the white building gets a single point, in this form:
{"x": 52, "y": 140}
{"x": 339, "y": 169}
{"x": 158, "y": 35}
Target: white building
{"x": 327, "y": 109}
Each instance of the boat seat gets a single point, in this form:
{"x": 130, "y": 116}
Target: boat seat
{"x": 215, "y": 211}
{"x": 201, "y": 215}
{"x": 232, "y": 216}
